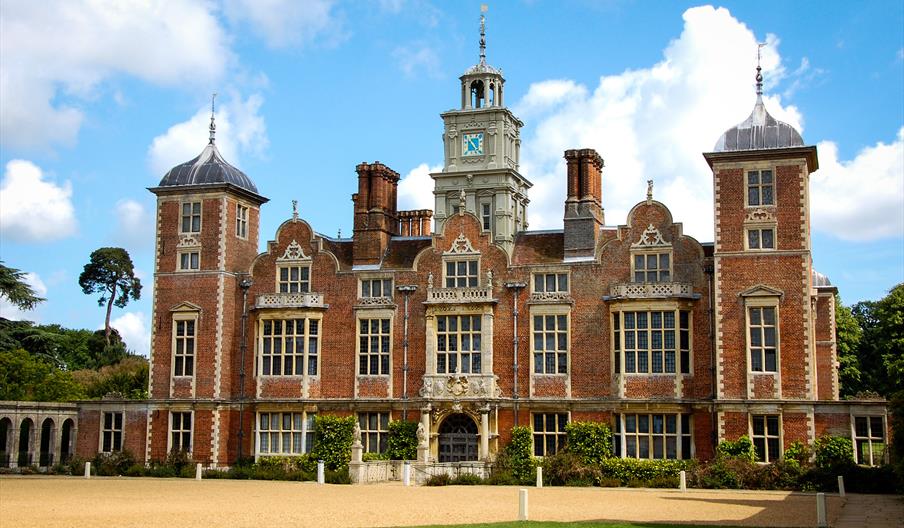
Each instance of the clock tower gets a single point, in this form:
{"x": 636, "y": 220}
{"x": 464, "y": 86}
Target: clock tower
{"x": 482, "y": 143}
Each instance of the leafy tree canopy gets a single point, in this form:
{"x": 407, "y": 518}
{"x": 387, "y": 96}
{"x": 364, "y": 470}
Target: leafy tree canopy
{"x": 111, "y": 273}
{"x": 14, "y": 288}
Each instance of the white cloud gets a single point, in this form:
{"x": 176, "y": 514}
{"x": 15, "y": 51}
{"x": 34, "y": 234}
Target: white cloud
{"x": 134, "y": 226}
{"x": 861, "y": 199}
{"x": 240, "y": 127}
{"x": 416, "y": 58}
{"x": 32, "y": 208}
{"x": 57, "y": 55}
{"x": 12, "y": 312}
{"x": 134, "y": 329}
{"x": 651, "y": 123}
{"x": 286, "y": 23}
{"x": 416, "y": 188}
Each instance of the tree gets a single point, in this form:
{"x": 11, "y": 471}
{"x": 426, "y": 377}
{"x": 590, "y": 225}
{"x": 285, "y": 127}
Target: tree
{"x": 848, "y": 335}
{"x": 16, "y": 290}
{"x": 111, "y": 273}
{"x": 881, "y": 350}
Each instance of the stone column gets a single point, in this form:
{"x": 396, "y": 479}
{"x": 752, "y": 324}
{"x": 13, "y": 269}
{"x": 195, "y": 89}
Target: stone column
{"x": 484, "y": 433}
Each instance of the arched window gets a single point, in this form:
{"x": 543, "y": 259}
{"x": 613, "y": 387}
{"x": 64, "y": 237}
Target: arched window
{"x": 478, "y": 97}
{"x": 45, "y": 457}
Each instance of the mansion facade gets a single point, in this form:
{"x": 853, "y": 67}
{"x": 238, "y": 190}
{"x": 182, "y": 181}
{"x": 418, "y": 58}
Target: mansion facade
{"x": 467, "y": 321}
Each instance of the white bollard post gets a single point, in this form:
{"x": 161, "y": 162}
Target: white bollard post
{"x": 87, "y": 470}
{"x": 406, "y": 473}
{"x": 320, "y": 478}
{"x": 841, "y": 485}
{"x": 198, "y": 471}
{"x": 821, "y": 510}
{"x": 682, "y": 481}
{"x": 522, "y": 504}
{"x": 540, "y": 476}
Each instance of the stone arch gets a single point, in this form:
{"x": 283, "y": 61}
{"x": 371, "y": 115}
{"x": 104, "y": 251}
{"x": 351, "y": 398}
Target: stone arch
{"x": 6, "y": 440}
{"x": 26, "y": 443}
{"x": 67, "y": 440}
{"x": 458, "y": 438}
{"x": 47, "y": 441}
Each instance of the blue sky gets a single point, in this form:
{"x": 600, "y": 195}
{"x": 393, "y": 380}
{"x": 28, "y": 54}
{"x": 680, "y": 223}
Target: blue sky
{"x": 99, "y": 99}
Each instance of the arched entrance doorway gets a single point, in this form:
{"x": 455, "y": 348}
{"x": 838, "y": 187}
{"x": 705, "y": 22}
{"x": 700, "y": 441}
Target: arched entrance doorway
{"x": 26, "y": 436}
{"x": 66, "y": 441}
{"x": 45, "y": 457}
{"x": 458, "y": 439}
{"x": 6, "y": 441}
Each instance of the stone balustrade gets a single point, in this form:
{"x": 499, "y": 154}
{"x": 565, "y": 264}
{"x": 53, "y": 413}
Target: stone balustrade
{"x": 290, "y": 300}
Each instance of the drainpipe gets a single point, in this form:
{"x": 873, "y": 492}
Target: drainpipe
{"x": 245, "y": 284}
{"x": 516, "y": 288}
{"x": 710, "y": 271}
{"x": 407, "y": 290}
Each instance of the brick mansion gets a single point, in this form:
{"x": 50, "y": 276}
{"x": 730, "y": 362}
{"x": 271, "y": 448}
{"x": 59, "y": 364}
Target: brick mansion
{"x": 467, "y": 321}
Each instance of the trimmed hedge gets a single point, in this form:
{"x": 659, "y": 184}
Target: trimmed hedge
{"x": 626, "y": 470}
{"x": 402, "y": 444}
{"x": 591, "y": 441}
{"x": 333, "y": 438}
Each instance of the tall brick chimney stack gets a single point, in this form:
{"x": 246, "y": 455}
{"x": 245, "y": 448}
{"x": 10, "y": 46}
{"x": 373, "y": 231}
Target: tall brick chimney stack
{"x": 583, "y": 205}
{"x": 376, "y": 216}
{"x": 415, "y": 222}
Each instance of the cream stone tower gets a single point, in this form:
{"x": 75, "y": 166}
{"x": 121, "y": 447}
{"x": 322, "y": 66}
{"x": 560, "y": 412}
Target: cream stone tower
{"x": 482, "y": 145}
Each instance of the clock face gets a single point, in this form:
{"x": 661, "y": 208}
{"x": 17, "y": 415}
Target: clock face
{"x": 472, "y": 144}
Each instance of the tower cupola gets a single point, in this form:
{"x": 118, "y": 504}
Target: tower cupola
{"x": 481, "y": 84}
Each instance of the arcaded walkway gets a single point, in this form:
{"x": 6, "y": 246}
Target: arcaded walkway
{"x": 174, "y": 503}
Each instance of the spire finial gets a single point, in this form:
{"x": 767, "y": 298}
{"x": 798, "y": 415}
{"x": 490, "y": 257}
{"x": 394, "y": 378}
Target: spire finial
{"x": 213, "y": 125}
{"x": 649, "y": 190}
{"x": 483, "y": 36}
{"x": 759, "y": 75}
{"x": 294, "y": 210}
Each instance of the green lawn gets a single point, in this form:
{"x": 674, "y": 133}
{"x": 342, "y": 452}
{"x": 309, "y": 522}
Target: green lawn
{"x": 586, "y": 524}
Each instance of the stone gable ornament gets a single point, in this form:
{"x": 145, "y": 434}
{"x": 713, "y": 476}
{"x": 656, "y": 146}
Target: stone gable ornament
{"x": 421, "y": 434}
{"x": 462, "y": 200}
{"x": 294, "y": 210}
{"x": 430, "y": 280}
{"x": 649, "y": 191}
{"x": 461, "y": 246}
{"x": 651, "y": 237}
{"x": 294, "y": 251}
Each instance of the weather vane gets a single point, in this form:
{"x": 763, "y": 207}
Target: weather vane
{"x": 213, "y": 126}
{"x": 483, "y": 38}
{"x": 759, "y": 75}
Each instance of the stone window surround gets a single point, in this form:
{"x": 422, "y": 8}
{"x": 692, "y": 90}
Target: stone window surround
{"x": 171, "y": 430}
{"x": 284, "y": 315}
{"x": 615, "y": 310}
{"x": 368, "y": 315}
{"x": 183, "y": 316}
{"x": 872, "y": 437}
{"x": 759, "y": 168}
{"x": 365, "y": 277}
{"x": 289, "y": 282}
{"x": 189, "y": 252}
{"x": 465, "y": 257}
{"x": 635, "y": 252}
{"x": 544, "y": 310}
{"x": 551, "y": 271}
{"x": 307, "y": 422}
{"x": 620, "y": 433}
{"x": 760, "y": 226}
{"x": 486, "y": 334}
{"x": 242, "y": 216}
{"x": 103, "y": 430}
{"x": 191, "y": 216}
{"x": 560, "y": 435}
{"x": 763, "y": 301}
{"x": 380, "y": 432}
{"x": 751, "y": 416}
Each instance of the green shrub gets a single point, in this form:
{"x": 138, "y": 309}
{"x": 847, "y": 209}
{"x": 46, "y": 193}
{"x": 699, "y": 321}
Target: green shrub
{"x": 591, "y": 441}
{"x": 287, "y": 464}
{"x": 725, "y": 472}
{"x": 136, "y": 470}
{"x": 438, "y": 480}
{"x": 627, "y": 469}
{"x": 402, "y": 444}
{"x": 567, "y": 468}
{"x": 467, "y": 479}
{"x": 333, "y": 438}
{"x": 501, "y": 478}
{"x": 113, "y": 464}
{"x": 834, "y": 452}
{"x": 337, "y": 477}
{"x": 519, "y": 459}
{"x": 799, "y": 452}
{"x": 609, "y": 482}
{"x": 740, "y": 448}
{"x": 370, "y": 457}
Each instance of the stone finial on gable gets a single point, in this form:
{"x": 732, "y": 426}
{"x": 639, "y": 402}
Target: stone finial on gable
{"x": 294, "y": 251}
{"x": 649, "y": 191}
{"x": 461, "y": 246}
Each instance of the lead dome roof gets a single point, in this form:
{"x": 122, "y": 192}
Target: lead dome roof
{"x": 207, "y": 168}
